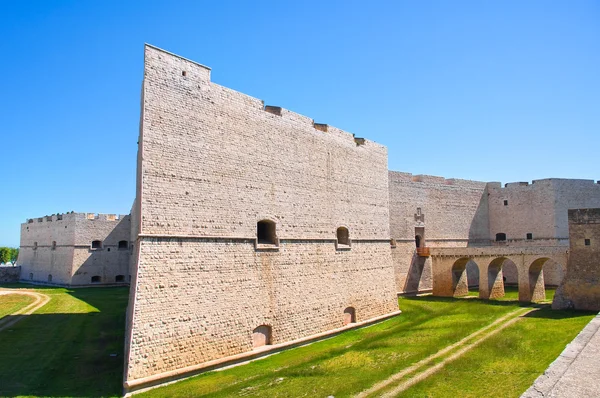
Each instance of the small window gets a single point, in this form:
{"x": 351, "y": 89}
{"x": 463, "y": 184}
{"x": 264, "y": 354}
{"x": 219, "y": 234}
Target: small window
{"x": 34, "y": 245}
{"x": 393, "y": 243}
{"x": 343, "y": 236}
{"x": 53, "y": 245}
{"x": 261, "y": 336}
{"x": 30, "y": 276}
{"x": 588, "y": 242}
{"x": 266, "y": 232}
{"x": 500, "y": 237}
{"x": 50, "y": 278}
{"x": 506, "y": 203}
{"x": 349, "y": 316}
{"x": 183, "y": 73}
{"x": 97, "y": 244}
{"x": 123, "y": 245}
{"x": 96, "y": 279}
{"x": 120, "y": 278}
{"x": 529, "y": 236}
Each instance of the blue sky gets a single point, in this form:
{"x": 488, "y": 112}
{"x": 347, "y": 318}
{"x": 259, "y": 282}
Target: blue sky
{"x": 492, "y": 91}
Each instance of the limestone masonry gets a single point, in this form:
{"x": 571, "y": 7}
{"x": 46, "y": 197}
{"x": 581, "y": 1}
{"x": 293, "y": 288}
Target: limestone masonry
{"x": 254, "y": 228}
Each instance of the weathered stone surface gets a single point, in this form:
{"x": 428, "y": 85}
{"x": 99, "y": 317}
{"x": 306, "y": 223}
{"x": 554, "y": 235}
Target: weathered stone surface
{"x": 580, "y": 288}
{"x": 9, "y": 274}
{"x": 212, "y": 163}
{"x": 58, "y": 249}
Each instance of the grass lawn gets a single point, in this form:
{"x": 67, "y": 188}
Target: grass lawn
{"x": 10, "y": 303}
{"x": 64, "y": 350}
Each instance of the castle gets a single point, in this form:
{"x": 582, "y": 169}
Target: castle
{"x": 255, "y": 228}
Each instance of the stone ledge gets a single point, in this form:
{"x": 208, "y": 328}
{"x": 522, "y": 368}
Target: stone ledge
{"x": 143, "y": 384}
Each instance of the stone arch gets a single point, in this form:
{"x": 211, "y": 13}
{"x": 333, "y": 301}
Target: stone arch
{"x": 262, "y": 336}
{"x": 349, "y": 315}
{"x": 537, "y": 290}
{"x": 460, "y": 284}
{"x": 554, "y": 273}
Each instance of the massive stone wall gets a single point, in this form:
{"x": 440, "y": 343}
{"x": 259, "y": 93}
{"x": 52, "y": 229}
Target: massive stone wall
{"x": 539, "y": 209}
{"x": 58, "y": 249}
{"x": 9, "y": 274}
{"x": 443, "y": 212}
{"x": 212, "y": 163}
{"x": 580, "y": 288}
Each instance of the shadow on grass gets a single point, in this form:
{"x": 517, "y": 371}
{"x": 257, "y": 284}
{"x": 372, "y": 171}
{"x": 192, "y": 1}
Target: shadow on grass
{"x": 70, "y": 352}
{"x": 548, "y": 313}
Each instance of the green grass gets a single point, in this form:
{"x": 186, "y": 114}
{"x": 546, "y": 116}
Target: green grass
{"x": 506, "y": 364}
{"x": 351, "y": 362}
{"x": 64, "y": 348}
{"x": 511, "y": 293}
{"x": 10, "y": 303}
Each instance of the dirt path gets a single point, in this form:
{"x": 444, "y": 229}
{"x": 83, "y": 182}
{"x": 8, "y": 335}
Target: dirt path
{"x": 463, "y": 346}
{"x": 39, "y": 301}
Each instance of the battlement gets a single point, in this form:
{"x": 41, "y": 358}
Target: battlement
{"x": 545, "y": 182}
{"x": 70, "y": 216}
{"x": 398, "y": 176}
{"x": 192, "y": 76}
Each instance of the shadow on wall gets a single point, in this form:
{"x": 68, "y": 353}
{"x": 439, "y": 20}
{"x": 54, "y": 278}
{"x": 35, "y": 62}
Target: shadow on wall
{"x": 419, "y": 276}
{"x": 108, "y": 260}
{"x": 67, "y": 354}
{"x": 479, "y": 230}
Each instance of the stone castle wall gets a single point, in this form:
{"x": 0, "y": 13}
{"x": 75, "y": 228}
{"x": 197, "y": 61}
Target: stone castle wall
{"x": 539, "y": 208}
{"x": 9, "y": 274}
{"x": 580, "y": 288}
{"x": 58, "y": 249}
{"x": 454, "y": 213}
{"x": 212, "y": 163}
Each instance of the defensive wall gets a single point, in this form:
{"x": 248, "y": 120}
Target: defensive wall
{"x": 272, "y": 227}
{"x": 441, "y": 212}
{"x": 9, "y": 274}
{"x": 75, "y": 249}
{"x": 580, "y": 288}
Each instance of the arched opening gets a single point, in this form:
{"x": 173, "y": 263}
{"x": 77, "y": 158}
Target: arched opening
{"x": 261, "y": 336}
{"x": 343, "y": 236}
{"x": 495, "y": 285}
{"x": 510, "y": 273}
{"x": 96, "y": 244}
{"x": 553, "y": 273}
{"x": 266, "y": 232}
{"x": 349, "y": 316}
{"x": 49, "y": 277}
{"x": 53, "y": 245}
{"x": 120, "y": 278}
{"x": 31, "y": 276}
{"x": 460, "y": 284}
{"x": 537, "y": 291}
{"x": 96, "y": 279}
{"x": 500, "y": 237}
{"x": 473, "y": 275}
{"x": 418, "y": 240}
{"x": 123, "y": 245}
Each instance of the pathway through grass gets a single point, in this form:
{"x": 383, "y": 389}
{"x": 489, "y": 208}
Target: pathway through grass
{"x": 13, "y": 302}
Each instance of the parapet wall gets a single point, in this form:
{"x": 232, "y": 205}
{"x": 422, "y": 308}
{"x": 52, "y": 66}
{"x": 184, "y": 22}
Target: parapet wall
{"x": 212, "y": 164}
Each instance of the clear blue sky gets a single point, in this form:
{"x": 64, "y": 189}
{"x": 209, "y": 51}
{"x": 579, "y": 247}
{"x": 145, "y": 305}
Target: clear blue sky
{"x": 492, "y": 91}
